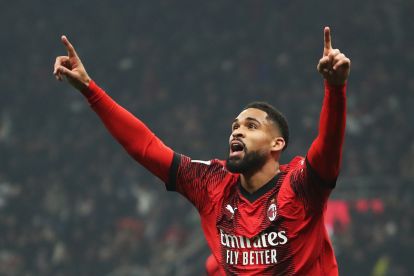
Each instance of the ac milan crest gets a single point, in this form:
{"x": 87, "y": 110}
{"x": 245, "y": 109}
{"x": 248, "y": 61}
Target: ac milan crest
{"x": 271, "y": 212}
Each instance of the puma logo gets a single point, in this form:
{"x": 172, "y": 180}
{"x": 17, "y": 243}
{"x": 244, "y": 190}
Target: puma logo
{"x": 231, "y": 210}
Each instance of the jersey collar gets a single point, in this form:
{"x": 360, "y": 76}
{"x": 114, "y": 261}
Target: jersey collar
{"x": 261, "y": 191}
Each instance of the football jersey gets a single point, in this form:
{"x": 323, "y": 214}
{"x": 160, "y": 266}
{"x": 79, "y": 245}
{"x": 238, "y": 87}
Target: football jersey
{"x": 277, "y": 230}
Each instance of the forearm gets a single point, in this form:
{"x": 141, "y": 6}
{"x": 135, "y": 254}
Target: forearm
{"x": 325, "y": 153}
{"x": 130, "y": 132}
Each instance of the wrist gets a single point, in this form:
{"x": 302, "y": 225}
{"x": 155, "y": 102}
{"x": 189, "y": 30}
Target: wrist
{"x": 334, "y": 83}
{"x": 335, "y": 91}
{"x": 86, "y": 87}
{"x": 87, "y": 82}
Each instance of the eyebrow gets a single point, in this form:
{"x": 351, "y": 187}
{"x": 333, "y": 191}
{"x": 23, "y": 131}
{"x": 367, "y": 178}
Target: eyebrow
{"x": 248, "y": 119}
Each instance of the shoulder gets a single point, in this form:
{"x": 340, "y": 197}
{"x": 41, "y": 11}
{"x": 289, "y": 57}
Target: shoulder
{"x": 182, "y": 159}
{"x": 296, "y": 163}
{"x": 199, "y": 168}
{"x": 216, "y": 162}
{"x": 203, "y": 164}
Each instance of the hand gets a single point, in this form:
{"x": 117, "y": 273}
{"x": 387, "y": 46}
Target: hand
{"x": 334, "y": 66}
{"x": 71, "y": 67}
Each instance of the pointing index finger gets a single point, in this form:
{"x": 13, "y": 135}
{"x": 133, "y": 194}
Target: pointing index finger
{"x": 327, "y": 40}
{"x": 69, "y": 47}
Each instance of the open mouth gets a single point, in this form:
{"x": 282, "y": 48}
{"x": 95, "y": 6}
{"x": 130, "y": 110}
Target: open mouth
{"x": 236, "y": 148}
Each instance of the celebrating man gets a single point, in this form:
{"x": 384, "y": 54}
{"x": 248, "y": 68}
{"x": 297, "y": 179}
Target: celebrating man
{"x": 259, "y": 217}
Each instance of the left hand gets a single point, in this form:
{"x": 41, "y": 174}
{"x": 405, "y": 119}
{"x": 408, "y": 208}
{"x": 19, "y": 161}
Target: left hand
{"x": 71, "y": 67}
{"x": 334, "y": 65}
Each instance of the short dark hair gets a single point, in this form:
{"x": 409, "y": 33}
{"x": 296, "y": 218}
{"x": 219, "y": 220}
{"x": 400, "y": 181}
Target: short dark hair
{"x": 275, "y": 116}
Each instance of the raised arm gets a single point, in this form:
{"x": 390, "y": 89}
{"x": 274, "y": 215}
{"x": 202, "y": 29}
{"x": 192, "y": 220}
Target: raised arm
{"x": 130, "y": 132}
{"x": 325, "y": 153}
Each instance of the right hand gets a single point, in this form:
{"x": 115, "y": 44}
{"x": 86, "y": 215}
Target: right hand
{"x": 71, "y": 67}
{"x": 334, "y": 65}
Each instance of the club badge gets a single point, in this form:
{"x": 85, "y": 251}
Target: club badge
{"x": 271, "y": 212}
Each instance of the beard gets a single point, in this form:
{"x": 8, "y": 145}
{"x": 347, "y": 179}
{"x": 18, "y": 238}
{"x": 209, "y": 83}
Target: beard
{"x": 251, "y": 162}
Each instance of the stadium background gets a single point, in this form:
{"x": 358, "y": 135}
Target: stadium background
{"x": 73, "y": 203}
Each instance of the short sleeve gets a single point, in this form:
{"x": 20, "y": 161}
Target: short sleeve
{"x": 196, "y": 180}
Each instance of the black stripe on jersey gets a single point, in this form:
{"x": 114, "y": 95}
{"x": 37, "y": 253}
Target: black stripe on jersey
{"x": 261, "y": 191}
{"x": 317, "y": 179}
{"x": 171, "y": 185}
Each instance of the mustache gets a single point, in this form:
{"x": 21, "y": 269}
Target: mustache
{"x": 238, "y": 140}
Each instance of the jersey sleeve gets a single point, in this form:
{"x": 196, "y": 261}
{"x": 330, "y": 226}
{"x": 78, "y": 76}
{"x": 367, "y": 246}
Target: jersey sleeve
{"x": 198, "y": 181}
{"x": 325, "y": 154}
{"x": 136, "y": 138}
{"x": 312, "y": 190}
{"x": 314, "y": 177}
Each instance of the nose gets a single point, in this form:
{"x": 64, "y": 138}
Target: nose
{"x": 237, "y": 133}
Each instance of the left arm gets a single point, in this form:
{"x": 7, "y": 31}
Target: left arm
{"x": 324, "y": 155}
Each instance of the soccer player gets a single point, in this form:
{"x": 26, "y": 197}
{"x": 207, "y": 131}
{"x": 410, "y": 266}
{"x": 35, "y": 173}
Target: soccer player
{"x": 259, "y": 217}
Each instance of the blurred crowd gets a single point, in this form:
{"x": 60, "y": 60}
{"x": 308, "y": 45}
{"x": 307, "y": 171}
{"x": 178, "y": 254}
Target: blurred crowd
{"x": 73, "y": 203}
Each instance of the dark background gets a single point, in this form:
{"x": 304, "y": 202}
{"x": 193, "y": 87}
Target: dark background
{"x": 73, "y": 203}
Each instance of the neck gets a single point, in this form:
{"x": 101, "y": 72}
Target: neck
{"x": 252, "y": 181}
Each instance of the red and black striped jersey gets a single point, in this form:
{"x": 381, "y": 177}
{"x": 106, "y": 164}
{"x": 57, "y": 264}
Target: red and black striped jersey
{"x": 278, "y": 230}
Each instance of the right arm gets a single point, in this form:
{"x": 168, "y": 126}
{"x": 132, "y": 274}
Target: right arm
{"x": 196, "y": 180}
{"x": 129, "y": 131}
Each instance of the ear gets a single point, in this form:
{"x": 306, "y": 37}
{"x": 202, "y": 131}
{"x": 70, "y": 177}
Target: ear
{"x": 278, "y": 144}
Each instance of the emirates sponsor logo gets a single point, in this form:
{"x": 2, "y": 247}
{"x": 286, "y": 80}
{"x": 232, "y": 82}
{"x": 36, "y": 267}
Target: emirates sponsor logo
{"x": 263, "y": 241}
{"x": 257, "y": 251}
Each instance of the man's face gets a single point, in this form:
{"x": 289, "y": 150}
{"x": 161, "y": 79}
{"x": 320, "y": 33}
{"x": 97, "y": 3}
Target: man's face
{"x": 251, "y": 142}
